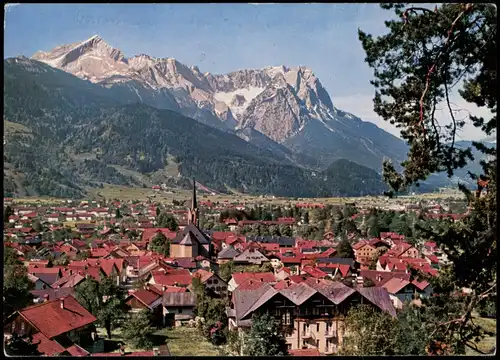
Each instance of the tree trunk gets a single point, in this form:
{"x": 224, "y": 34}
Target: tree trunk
{"x": 108, "y": 328}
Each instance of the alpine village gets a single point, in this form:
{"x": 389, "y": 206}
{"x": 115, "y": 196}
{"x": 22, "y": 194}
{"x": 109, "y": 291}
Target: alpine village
{"x": 151, "y": 209}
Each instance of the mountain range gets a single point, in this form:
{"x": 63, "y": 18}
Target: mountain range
{"x": 270, "y": 107}
{"x": 83, "y": 114}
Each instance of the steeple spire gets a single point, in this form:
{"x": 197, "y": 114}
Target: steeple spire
{"x": 194, "y": 204}
{"x": 193, "y": 212}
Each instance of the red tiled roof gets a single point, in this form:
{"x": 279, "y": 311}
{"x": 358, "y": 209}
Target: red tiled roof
{"x": 43, "y": 270}
{"x": 149, "y": 233}
{"x": 234, "y": 239}
{"x": 99, "y": 252}
{"x": 145, "y": 296}
{"x": 52, "y": 320}
{"x": 395, "y": 285}
{"x": 76, "y": 350}
{"x": 283, "y": 284}
{"x": 306, "y": 244}
{"x": 250, "y": 284}
{"x": 222, "y": 235}
{"x": 267, "y": 277}
{"x": 381, "y": 277}
{"x": 269, "y": 246}
{"x": 304, "y": 352}
{"x": 315, "y": 272}
{"x": 46, "y": 346}
{"x": 420, "y": 284}
{"x": 204, "y": 275}
{"x": 343, "y": 268}
{"x": 328, "y": 252}
{"x": 296, "y": 279}
{"x": 168, "y": 279}
{"x": 107, "y": 265}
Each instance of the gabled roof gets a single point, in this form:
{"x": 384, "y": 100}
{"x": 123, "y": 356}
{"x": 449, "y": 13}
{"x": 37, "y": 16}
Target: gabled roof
{"x": 395, "y": 285}
{"x": 70, "y": 280}
{"x": 203, "y": 275}
{"x": 145, "y": 296}
{"x": 245, "y": 299}
{"x": 198, "y": 234}
{"x": 336, "y": 292}
{"x": 169, "y": 279}
{"x": 53, "y": 294}
{"x": 381, "y": 277}
{"x": 267, "y": 277}
{"x": 379, "y": 297}
{"x": 228, "y": 253}
{"x": 298, "y": 293}
{"x": 46, "y": 346}
{"x": 52, "y": 320}
{"x": 249, "y": 255}
{"x": 314, "y": 272}
{"x": 421, "y": 285}
{"x": 188, "y": 239}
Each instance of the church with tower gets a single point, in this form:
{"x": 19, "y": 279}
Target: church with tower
{"x": 191, "y": 241}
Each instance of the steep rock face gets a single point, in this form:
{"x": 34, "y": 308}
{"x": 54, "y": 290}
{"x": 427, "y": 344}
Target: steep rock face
{"x": 288, "y": 105}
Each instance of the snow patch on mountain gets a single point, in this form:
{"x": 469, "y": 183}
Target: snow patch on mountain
{"x": 238, "y": 107}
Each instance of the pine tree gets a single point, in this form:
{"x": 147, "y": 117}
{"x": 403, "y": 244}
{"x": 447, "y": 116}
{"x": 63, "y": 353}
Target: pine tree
{"x": 417, "y": 64}
{"x": 138, "y": 330}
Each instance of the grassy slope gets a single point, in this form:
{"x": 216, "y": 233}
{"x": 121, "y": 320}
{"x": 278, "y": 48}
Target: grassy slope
{"x": 489, "y": 342}
{"x": 181, "y": 341}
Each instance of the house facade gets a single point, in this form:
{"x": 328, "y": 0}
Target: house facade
{"x": 312, "y": 314}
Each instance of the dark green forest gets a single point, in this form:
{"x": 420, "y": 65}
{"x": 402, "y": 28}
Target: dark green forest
{"x": 78, "y": 130}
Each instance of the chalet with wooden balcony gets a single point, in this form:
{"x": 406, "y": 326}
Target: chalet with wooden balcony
{"x": 312, "y": 313}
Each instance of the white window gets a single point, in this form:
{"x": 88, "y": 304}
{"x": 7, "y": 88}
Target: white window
{"x": 286, "y": 318}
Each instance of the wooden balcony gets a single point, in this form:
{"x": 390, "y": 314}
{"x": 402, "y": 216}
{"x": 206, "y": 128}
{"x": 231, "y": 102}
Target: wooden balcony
{"x": 330, "y": 334}
{"x": 307, "y": 335}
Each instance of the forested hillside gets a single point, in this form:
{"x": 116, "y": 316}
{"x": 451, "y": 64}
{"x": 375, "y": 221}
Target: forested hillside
{"x": 78, "y": 132}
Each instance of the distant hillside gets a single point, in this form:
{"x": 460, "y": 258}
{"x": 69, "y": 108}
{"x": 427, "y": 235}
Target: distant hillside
{"x": 76, "y": 134}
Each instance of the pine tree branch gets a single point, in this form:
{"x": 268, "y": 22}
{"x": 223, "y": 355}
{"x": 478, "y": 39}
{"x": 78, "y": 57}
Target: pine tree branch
{"x": 467, "y": 7}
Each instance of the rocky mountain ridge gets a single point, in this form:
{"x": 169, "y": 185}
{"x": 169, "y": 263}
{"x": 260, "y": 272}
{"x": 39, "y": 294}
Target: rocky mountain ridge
{"x": 287, "y": 105}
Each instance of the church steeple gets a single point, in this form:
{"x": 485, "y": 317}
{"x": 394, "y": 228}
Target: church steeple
{"x": 193, "y": 211}
{"x": 194, "y": 204}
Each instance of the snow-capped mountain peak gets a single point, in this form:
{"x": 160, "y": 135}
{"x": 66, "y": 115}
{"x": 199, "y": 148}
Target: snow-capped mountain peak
{"x": 287, "y": 104}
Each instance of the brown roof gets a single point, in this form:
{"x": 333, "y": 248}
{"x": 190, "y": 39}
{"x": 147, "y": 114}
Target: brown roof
{"x": 244, "y": 299}
{"x": 379, "y": 297}
{"x": 298, "y": 293}
{"x": 68, "y": 281}
{"x": 247, "y": 301}
{"x": 179, "y": 299}
{"x": 198, "y": 234}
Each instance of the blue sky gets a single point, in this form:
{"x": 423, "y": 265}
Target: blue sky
{"x": 219, "y": 38}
